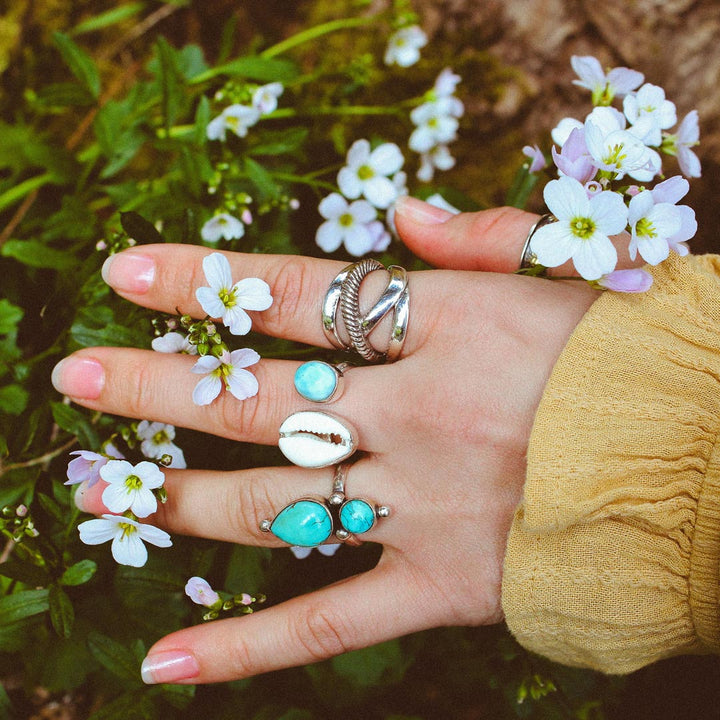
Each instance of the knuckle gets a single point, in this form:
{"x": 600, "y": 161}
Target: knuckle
{"x": 237, "y": 419}
{"x": 145, "y": 389}
{"x": 244, "y": 664}
{"x": 321, "y": 633}
{"x": 291, "y": 289}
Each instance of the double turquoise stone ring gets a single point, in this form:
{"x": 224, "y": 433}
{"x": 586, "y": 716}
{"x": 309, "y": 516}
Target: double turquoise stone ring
{"x": 309, "y": 522}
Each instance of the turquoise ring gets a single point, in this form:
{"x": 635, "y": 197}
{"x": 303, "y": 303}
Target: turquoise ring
{"x": 309, "y": 522}
{"x": 320, "y": 382}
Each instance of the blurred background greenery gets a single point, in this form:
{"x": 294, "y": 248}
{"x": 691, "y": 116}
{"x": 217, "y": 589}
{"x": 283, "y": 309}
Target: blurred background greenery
{"x": 108, "y": 116}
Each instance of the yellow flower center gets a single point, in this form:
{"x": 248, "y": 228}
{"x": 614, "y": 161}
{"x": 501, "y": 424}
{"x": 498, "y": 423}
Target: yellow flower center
{"x": 346, "y": 220}
{"x": 582, "y": 227}
{"x": 645, "y": 228}
{"x": 133, "y": 482}
{"x": 227, "y": 297}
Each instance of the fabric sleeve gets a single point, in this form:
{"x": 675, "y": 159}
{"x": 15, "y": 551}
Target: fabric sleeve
{"x": 613, "y": 558}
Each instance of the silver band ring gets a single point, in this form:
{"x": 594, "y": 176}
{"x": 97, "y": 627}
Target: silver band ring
{"x": 343, "y": 293}
{"x": 528, "y": 259}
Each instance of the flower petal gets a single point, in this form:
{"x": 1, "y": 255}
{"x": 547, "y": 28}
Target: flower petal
{"x": 244, "y": 357}
{"x": 207, "y": 389}
{"x": 253, "y": 294}
{"x": 97, "y": 531}
{"x": 380, "y": 192}
{"x": 237, "y": 320}
{"x": 329, "y": 236}
{"x": 349, "y": 183}
{"x": 210, "y": 302}
{"x": 242, "y": 384}
{"x": 217, "y": 271}
{"x": 386, "y": 159}
{"x": 117, "y": 498}
{"x": 595, "y": 258}
{"x": 332, "y": 206}
{"x": 144, "y": 503}
{"x": 553, "y": 244}
{"x": 128, "y": 549}
{"x": 155, "y": 536}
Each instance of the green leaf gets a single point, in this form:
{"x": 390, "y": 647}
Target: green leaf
{"x": 171, "y": 81}
{"x": 129, "y": 706}
{"x": 202, "y": 118}
{"x": 20, "y": 190}
{"x": 36, "y": 254}
{"x": 112, "y": 335}
{"x": 137, "y": 227}
{"x": 280, "y": 141}
{"x": 13, "y": 399}
{"x": 73, "y": 421}
{"x": 23, "y": 604}
{"x": 261, "y": 178}
{"x": 118, "y": 659}
{"x": 24, "y": 572}
{"x": 10, "y": 316}
{"x": 14, "y": 636}
{"x": 79, "y": 573}
{"x": 523, "y": 184}
{"x": 80, "y": 63}
{"x": 68, "y": 94}
{"x": 245, "y": 571}
{"x": 51, "y": 507}
{"x": 179, "y": 696}
{"x": 253, "y": 68}
{"x": 62, "y": 613}
{"x": 108, "y": 18}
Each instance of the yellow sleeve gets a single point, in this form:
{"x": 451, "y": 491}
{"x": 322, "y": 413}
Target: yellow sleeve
{"x": 613, "y": 558}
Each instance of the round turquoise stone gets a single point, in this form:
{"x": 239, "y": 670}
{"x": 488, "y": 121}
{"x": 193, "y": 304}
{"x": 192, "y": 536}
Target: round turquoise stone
{"x": 316, "y": 380}
{"x": 357, "y": 516}
{"x": 305, "y": 522}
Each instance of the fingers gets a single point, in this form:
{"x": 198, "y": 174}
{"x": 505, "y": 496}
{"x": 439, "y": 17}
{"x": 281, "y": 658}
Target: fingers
{"x": 490, "y": 240}
{"x": 229, "y": 506}
{"x": 159, "y": 386}
{"x": 364, "y": 610}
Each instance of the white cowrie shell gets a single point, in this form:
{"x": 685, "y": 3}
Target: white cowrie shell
{"x": 315, "y": 439}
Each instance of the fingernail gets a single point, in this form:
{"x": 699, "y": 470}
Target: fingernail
{"x": 79, "y": 377}
{"x": 168, "y": 667}
{"x": 79, "y": 496}
{"x": 420, "y": 212}
{"x": 129, "y": 272}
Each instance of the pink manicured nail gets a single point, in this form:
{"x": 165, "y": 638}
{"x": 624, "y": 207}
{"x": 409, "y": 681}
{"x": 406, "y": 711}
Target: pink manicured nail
{"x": 421, "y": 212}
{"x": 168, "y": 667}
{"x": 129, "y": 272}
{"x": 79, "y": 377}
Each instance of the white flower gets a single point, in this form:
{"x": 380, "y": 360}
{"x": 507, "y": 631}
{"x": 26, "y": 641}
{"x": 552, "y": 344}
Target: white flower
{"x": 130, "y": 487}
{"x": 440, "y": 202}
{"x": 437, "y": 158}
{"x": 561, "y": 132}
{"x": 366, "y": 173}
{"x": 652, "y": 225}
{"x": 345, "y": 223}
{"x": 582, "y": 230}
{"x": 649, "y": 104}
{"x": 228, "y": 301}
{"x": 604, "y": 86}
{"x": 381, "y": 238}
{"x": 236, "y": 118}
{"x": 157, "y": 440}
{"x": 127, "y": 537}
{"x": 229, "y": 370}
{"x": 688, "y": 135}
{"x": 222, "y": 225}
{"x": 613, "y": 148}
{"x": 265, "y": 98}
{"x": 404, "y": 45}
{"x": 302, "y": 552}
{"x": 174, "y": 342}
{"x": 435, "y": 125}
{"x": 400, "y": 182}
{"x": 445, "y": 83}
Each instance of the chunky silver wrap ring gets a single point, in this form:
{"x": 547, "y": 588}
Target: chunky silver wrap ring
{"x": 344, "y": 294}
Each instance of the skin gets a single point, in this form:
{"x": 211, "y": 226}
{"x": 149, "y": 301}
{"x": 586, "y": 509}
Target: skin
{"x": 445, "y": 430}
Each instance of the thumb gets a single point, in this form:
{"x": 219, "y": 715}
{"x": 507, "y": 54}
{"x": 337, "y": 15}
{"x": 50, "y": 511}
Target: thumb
{"x": 489, "y": 240}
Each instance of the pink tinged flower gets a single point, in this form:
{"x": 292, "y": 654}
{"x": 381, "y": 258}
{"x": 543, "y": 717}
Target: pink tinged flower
{"x": 574, "y": 160}
{"x": 582, "y": 230}
{"x": 404, "y": 45}
{"x": 366, "y": 173}
{"x": 651, "y": 225}
{"x": 222, "y": 226}
{"x": 604, "y": 86}
{"x": 200, "y": 592}
{"x": 228, "y": 301}
{"x": 86, "y": 467}
{"x": 537, "y": 158}
{"x": 346, "y": 223}
{"x": 265, "y": 98}
{"x": 434, "y": 126}
{"x": 649, "y": 104}
{"x": 174, "y": 342}
{"x": 438, "y": 158}
{"x": 635, "y": 280}
{"x": 380, "y": 236}
{"x": 236, "y": 118}
{"x": 157, "y": 440}
{"x": 613, "y": 149}
{"x": 671, "y": 190}
{"x": 687, "y": 136}
{"x": 127, "y": 537}
{"x": 561, "y": 132}
{"x": 130, "y": 487}
{"x": 246, "y": 216}
{"x": 228, "y": 371}
{"x": 302, "y": 552}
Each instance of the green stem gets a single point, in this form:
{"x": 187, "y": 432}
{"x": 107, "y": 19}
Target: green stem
{"x": 305, "y": 180}
{"x": 40, "y": 459}
{"x": 337, "y": 110}
{"x": 313, "y": 33}
{"x": 17, "y": 192}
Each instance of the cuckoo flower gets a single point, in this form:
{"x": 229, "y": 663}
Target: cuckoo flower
{"x": 228, "y": 370}
{"x": 574, "y": 160}
{"x": 582, "y": 230}
{"x": 604, "y": 85}
{"x": 130, "y": 487}
{"x": 174, "y": 342}
{"x": 345, "y": 223}
{"x": 651, "y": 225}
{"x": 200, "y": 592}
{"x": 86, "y": 467}
{"x": 157, "y": 440}
{"x": 404, "y": 45}
{"x": 222, "y": 226}
{"x": 366, "y": 173}
{"x": 687, "y": 136}
{"x": 127, "y": 537}
{"x": 236, "y": 118}
{"x": 265, "y": 98}
{"x": 634, "y": 280}
{"x": 228, "y": 301}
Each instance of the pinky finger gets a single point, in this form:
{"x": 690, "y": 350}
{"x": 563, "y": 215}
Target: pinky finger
{"x": 352, "y": 614}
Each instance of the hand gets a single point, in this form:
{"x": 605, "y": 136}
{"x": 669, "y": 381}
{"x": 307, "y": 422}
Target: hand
{"x": 444, "y": 430}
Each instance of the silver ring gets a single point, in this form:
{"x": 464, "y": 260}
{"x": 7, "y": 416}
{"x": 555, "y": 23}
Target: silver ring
{"x": 309, "y": 522}
{"x": 528, "y": 259}
{"x": 343, "y": 293}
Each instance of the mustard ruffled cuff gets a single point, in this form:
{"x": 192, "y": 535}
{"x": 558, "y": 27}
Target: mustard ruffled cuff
{"x": 613, "y": 559}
